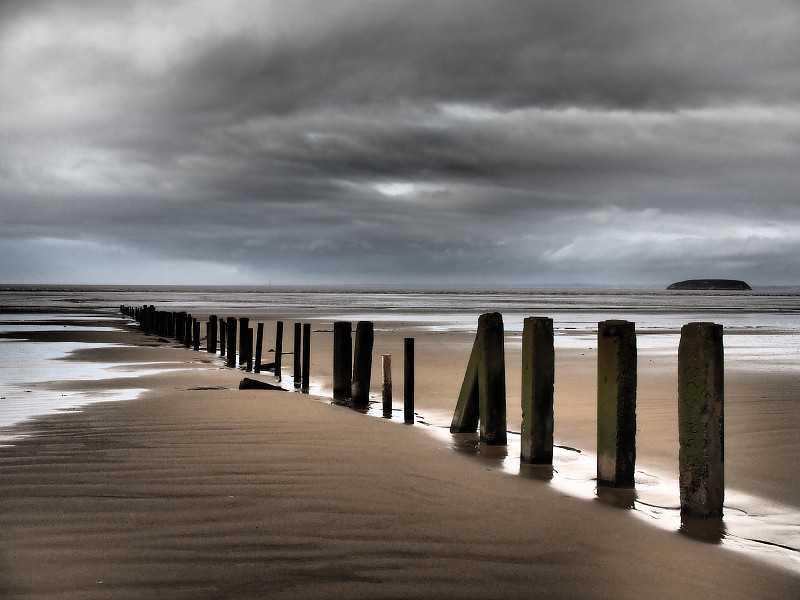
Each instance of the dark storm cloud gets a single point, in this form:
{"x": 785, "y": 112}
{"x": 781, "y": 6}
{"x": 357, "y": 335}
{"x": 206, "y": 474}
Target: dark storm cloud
{"x": 519, "y": 142}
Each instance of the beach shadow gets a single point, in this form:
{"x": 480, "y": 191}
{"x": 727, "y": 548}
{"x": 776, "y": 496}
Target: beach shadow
{"x": 711, "y": 530}
{"x": 470, "y": 443}
{"x": 617, "y": 497}
{"x": 538, "y": 472}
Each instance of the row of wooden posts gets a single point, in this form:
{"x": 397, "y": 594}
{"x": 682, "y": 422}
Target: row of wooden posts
{"x": 352, "y": 366}
{"x": 482, "y": 399}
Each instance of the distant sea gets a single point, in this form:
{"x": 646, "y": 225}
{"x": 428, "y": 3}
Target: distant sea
{"x": 762, "y": 327}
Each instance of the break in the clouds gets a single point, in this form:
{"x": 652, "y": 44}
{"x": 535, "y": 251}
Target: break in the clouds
{"x": 388, "y": 141}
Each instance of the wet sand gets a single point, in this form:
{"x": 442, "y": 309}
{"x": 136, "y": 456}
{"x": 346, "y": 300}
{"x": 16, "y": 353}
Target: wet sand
{"x": 199, "y": 490}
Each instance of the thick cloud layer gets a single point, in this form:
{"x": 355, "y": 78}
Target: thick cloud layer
{"x": 399, "y": 142}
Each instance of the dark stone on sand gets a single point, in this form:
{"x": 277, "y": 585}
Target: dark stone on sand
{"x": 710, "y": 284}
{"x": 254, "y": 384}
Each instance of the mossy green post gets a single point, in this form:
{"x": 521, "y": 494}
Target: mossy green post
{"x": 483, "y": 392}
{"x": 701, "y": 457}
{"x": 538, "y": 375}
{"x": 616, "y": 403}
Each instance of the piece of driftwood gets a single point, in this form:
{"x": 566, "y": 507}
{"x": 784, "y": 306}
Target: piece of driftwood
{"x": 254, "y": 384}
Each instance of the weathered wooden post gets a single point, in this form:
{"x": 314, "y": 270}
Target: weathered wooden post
{"x": 231, "y": 330}
{"x": 616, "y": 403}
{"x": 188, "y": 329}
{"x": 223, "y": 336}
{"x": 212, "y": 334}
{"x": 362, "y": 364}
{"x": 408, "y": 380}
{"x": 306, "y": 356}
{"x": 278, "y": 348}
{"x": 298, "y": 332}
{"x": 180, "y": 326}
{"x": 259, "y": 344}
{"x": 538, "y": 377}
{"x": 244, "y": 323}
{"x": 386, "y": 390}
{"x": 701, "y": 421}
{"x": 342, "y": 360}
{"x": 248, "y": 349}
{"x": 195, "y": 334}
{"x": 483, "y": 393}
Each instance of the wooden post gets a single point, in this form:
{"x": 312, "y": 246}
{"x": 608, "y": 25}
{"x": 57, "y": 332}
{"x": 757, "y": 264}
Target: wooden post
{"x": 408, "y": 380}
{"x": 342, "y": 360}
{"x": 278, "y": 348}
{"x": 386, "y": 390}
{"x": 306, "y": 356}
{"x": 298, "y": 332}
{"x": 362, "y": 364}
{"x": 616, "y": 403}
{"x": 223, "y": 336}
{"x": 244, "y": 323}
{"x": 188, "y": 329}
{"x": 248, "y": 348}
{"x": 196, "y": 334}
{"x": 483, "y": 392}
{"x": 701, "y": 421}
{"x": 259, "y": 344}
{"x": 538, "y": 376}
{"x": 212, "y": 334}
{"x": 231, "y": 330}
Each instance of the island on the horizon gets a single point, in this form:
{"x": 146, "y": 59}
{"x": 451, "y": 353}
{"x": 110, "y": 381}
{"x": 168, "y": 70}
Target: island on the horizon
{"x": 709, "y": 284}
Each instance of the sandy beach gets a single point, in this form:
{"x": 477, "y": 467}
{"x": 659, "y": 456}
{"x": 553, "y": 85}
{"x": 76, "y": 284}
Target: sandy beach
{"x": 199, "y": 490}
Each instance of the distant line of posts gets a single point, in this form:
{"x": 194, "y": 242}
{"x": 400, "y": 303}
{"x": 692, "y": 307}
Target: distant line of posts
{"x": 481, "y": 403}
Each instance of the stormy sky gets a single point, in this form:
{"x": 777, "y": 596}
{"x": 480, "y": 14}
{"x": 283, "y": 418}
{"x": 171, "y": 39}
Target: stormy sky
{"x": 399, "y": 142}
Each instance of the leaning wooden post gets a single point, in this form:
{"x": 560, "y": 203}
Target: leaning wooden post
{"x": 306, "y": 356}
{"x": 195, "y": 334}
{"x": 259, "y": 343}
{"x": 342, "y": 360}
{"x": 231, "y": 329}
{"x": 244, "y": 323}
{"x": 408, "y": 380}
{"x": 386, "y": 390}
{"x": 701, "y": 456}
{"x": 616, "y": 403}
{"x": 298, "y": 332}
{"x": 362, "y": 364}
{"x": 278, "y": 348}
{"x": 538, "y": 375}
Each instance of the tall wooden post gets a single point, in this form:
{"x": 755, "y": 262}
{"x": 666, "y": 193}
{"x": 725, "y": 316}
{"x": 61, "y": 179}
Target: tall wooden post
{"x": 386, "y": 390}
{"x": 616, "y": 403}
{"x": 306, "y": 356}
{"x": 362, "y": 364}
{"x": 244, "y": 323}
{"x": 223, "y": 336}
{"x": 195, "y": 334}
{"x": 231, "y": 329}
{"x": 298, "y": 332}
{"x": 538, "y": 376}
{"x": 342, "y": 360}
{"x": 259, "y": 344}
{"x": 408, "y": 380}
{"x": 278, "y": 348}
{"x": 212, "y": 335}
{"x": 248, "y": 348}
{"x": 701, "y": 420}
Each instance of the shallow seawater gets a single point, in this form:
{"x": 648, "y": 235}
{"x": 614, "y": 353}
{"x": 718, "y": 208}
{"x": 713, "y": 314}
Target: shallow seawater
{"x": 29, "y": 370}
